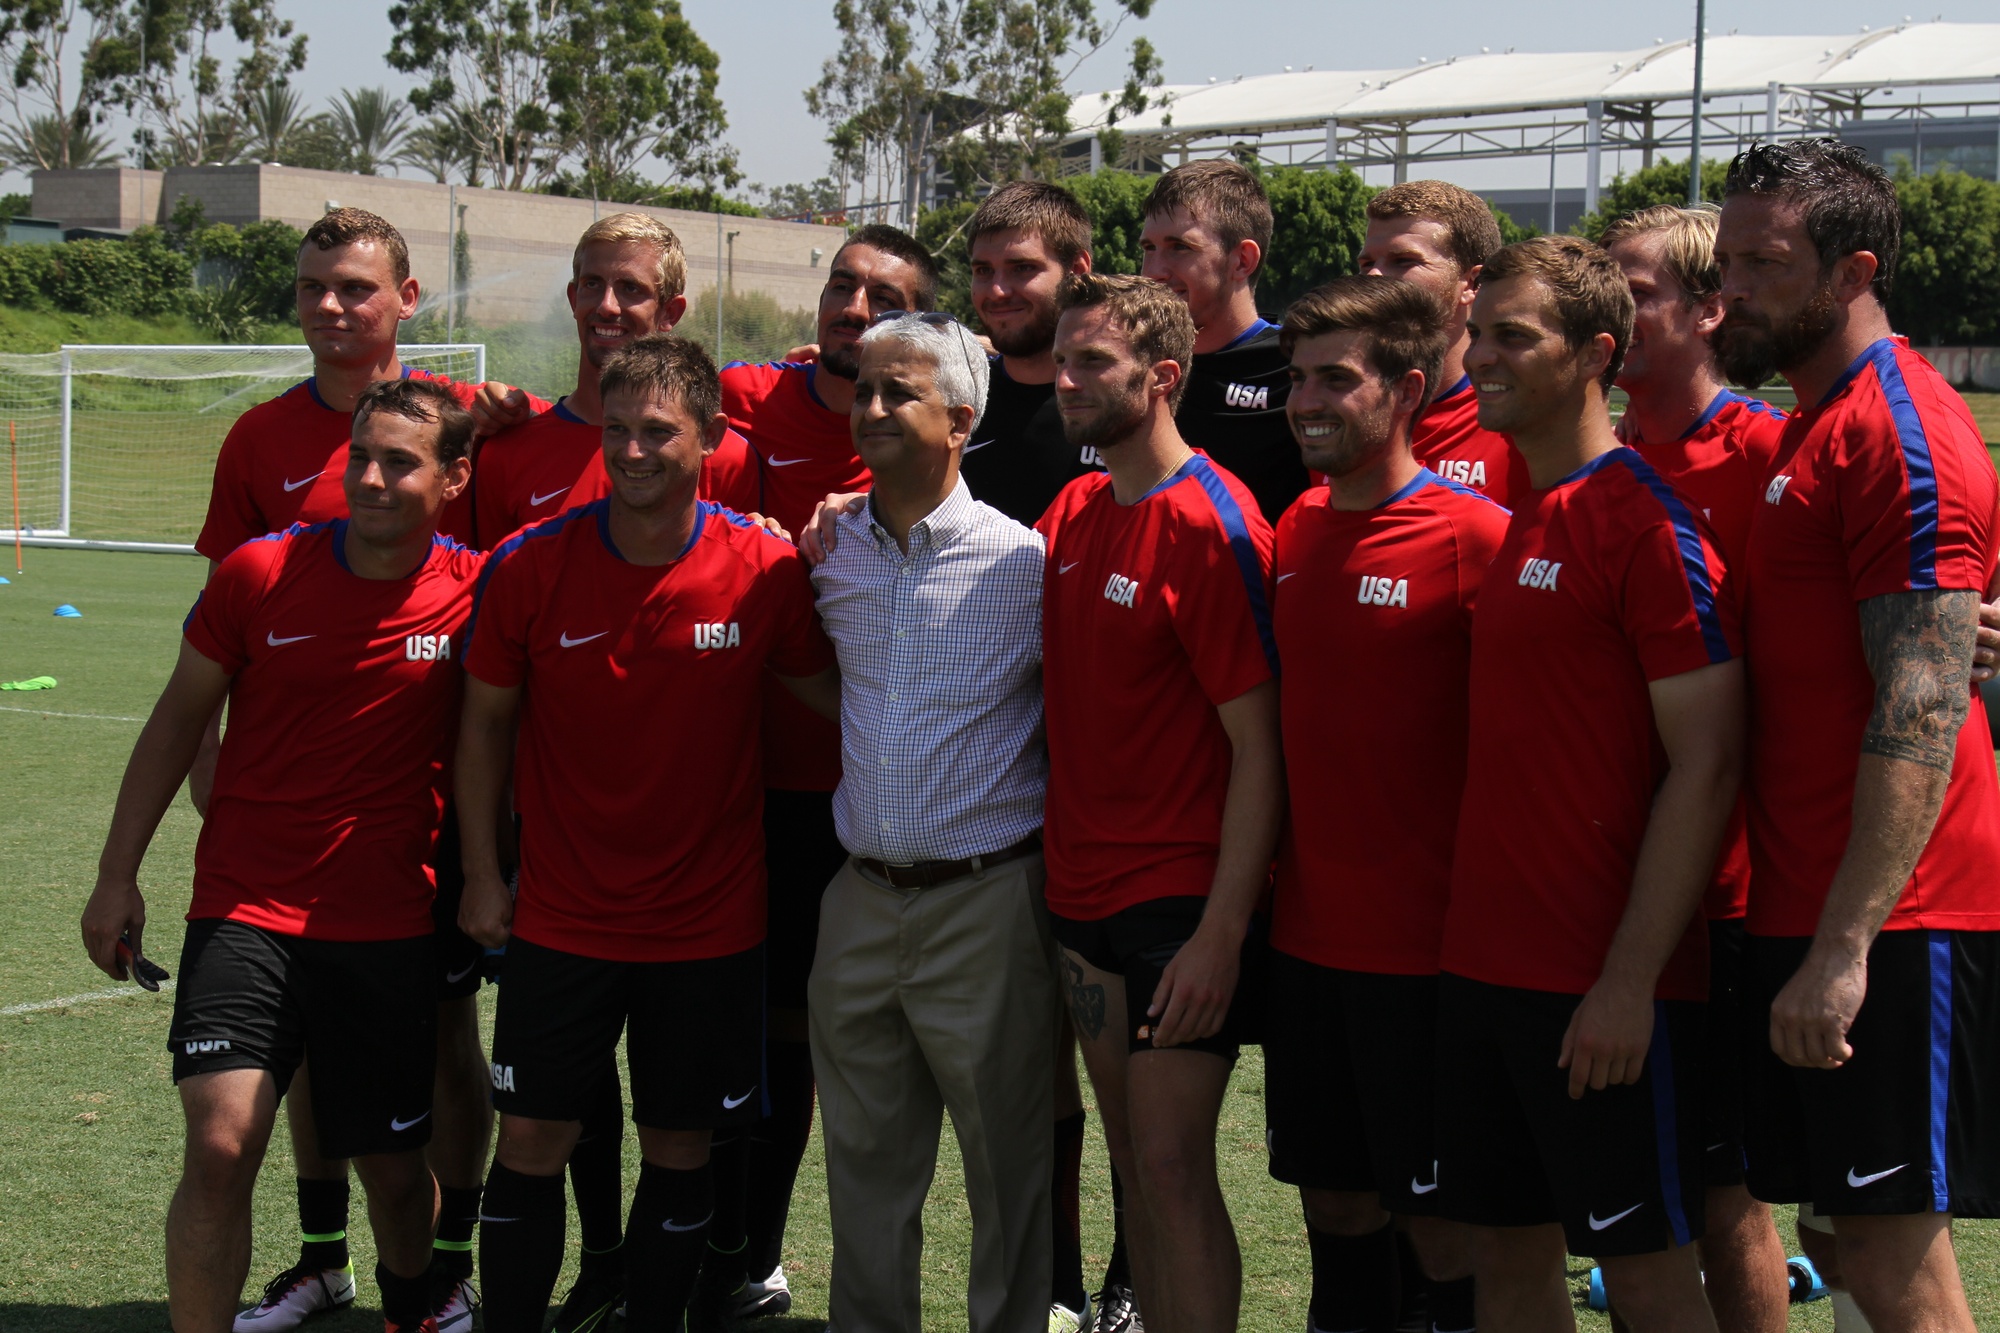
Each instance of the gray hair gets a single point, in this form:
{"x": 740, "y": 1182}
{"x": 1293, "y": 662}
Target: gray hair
{"x": 958, "y": 362}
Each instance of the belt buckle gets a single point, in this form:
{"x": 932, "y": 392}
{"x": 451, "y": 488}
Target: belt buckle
{"x": 890, "y": 869}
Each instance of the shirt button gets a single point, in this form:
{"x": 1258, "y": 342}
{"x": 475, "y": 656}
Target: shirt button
{"x": 885, "y": 823}
{"x": 899, "y": 634}
{"x": 894, "y": 695}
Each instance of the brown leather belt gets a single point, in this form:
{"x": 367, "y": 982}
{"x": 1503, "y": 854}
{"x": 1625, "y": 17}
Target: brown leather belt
{"x": 930, "y": 874}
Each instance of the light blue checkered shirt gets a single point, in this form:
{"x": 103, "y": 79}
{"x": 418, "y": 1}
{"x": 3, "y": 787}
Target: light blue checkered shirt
{"x": 940, "y": 683}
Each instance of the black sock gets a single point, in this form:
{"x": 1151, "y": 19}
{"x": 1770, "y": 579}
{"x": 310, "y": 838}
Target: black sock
{"x": 1066, "y": 1276}
{"x": 597, "y": 1169}
{"x": 521, "y": 1226}
{"x": 665, "y": 1239}
{"x": 728, "y": 1262}
{"x": 458, "y": 1214}
{"x": 406, "y": 1301}
{"x": 777, "y": 1145}
{"x": 1451, "y": 1306}
{"x": 1413, "y": 1289}
{"x": 323, "y": 1223}
{"x": 1118, "y": 1273}
{"x": 1355, "y": 1281}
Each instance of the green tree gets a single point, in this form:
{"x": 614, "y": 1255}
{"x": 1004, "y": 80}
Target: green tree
{"x": 1116, "y": 203}
{"x": 53, "y": 117}
{"x": 51, "y": 141}
{"x": 1947, "y": 287}
{"x": 1510, "y": 230}
{"x": 488, "y": 63}
{"x": 1661, "y": 183}
{"x": 942, "y": 230}
{"x": 1320, "y": 218}
{"x": 445, "y": 144}
{"x": 276, "y": 125}
{"x": 370, "y": 124}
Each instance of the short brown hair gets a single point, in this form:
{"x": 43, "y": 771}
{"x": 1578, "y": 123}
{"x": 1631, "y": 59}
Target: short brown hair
{"x": 1156, "y": 321}
{"x": 1220, "y": 194}
{"x": 1687, "y": 248}
{"x": 345, "y": 226}
{"x": 665, "y": 365}
{"x": 1404, "y": 324}
{"x": 1586, "y": 285}
{"x": 638, "y": 229}
{"x": 1849, "y": 202}
{"x": 1469, "y": 227}
{"x": 1046, "y": 211}
{"x": 425, "y": 400}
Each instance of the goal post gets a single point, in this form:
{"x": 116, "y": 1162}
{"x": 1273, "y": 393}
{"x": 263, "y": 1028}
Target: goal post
{"x": 116, "y": 444}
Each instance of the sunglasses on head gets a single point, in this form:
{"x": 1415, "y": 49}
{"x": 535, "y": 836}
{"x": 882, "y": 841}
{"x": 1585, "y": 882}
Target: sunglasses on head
{"x": 937, "y": 319}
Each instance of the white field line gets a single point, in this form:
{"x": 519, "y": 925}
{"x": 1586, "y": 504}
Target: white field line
{"x": 71, "y": 1001}
{"x": 88, "y": 717}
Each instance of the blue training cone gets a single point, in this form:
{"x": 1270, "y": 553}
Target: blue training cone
{"x": 68, "y": 612}
{"x": 1598, "y": 1300}
{"x": 1806, "y": 1283}
{"x": 6, "y": 580}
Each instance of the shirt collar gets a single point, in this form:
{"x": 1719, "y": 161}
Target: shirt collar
{"x": 952, "y": 517}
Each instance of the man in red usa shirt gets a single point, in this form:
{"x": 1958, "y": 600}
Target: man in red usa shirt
{"x": 1437, "y": 235}
{"x": 641, "y": 907}
{"x": 628, "y": 277}
{"x": 1716, "y": 448}
{"x": 1377, "y": 574}
{"x": 1874, "y": 812}
{"x": 1165, "y": 779}
{"x": 1602, "y": 763}
{"x": 311, "y": 920}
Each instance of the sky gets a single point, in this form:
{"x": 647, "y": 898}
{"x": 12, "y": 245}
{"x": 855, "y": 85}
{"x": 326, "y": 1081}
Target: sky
{"x": 772, "y": 51}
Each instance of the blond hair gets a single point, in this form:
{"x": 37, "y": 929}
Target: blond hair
{"x": 638, "y": 229}
{"x": 1687, "y": 249}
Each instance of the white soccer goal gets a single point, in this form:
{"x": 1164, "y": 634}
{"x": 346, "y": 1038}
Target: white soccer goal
{"x": 115, "y": 446}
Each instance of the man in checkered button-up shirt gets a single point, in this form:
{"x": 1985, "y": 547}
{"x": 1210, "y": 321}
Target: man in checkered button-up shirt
{"x": 934, "y": 984}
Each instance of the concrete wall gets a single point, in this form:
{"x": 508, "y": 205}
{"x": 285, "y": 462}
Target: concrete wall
{"x": 520, "y": 243}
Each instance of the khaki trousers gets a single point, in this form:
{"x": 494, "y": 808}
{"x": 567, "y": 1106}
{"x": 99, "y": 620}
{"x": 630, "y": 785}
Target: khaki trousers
{"x": 923, "y": 1000}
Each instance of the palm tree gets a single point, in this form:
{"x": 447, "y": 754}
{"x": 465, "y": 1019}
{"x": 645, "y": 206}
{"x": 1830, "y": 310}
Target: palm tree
{"x": 371, "y": 124}
{"x": 273, "y": 121}
{"x": 55, "y": 143}
{"x": 444, "y": 145}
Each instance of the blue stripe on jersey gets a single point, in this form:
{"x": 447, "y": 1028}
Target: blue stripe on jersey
{"x": 1666, "y": 1123}
{"x": 1940, "y": 1065}
{"x": 1426, "y": 477}
{"x": 1722, "y": 399}
{"x": 735, "y": 520}
{"x": 1694, "y": 560}
{"x": 1916, "y": 448}
{"x": 340, "y": 543}
{"x": 1238, "y": 531}
{"x": 561, "y": 408}
{"x": 192, "y": 609}
{"x": 1255, "y": 328}
{"x": 548, "y": 527}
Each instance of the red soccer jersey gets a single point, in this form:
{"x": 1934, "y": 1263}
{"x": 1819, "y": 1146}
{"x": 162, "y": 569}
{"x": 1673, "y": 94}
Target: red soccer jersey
{"x": 555, "y": 461}
{"x": 1374, "y": 624}
{"x": 1448, "y": 439}
{"x": 1152, "y": 614}
{"x": 1607, "y": 581}
{"x": 282, "y": 463}
{"x": 1883, "y": 487}
{"x": 804, "y": 452}
{"x": 1721, "y": 464}
{"x": 342, "y": 715}
{"x": 637, "y": 773}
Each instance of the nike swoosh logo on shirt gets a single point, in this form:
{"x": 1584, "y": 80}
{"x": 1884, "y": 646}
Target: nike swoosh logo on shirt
{"x": 272, "y": 639}
{"x": 1612, "y": 1220}
{"x": 786, "y": 462}
{"x": 484, "y": 1218}
{"x": 1068, "y": 567}
{"x": 669, "y": 1224}
{"x": 1856, "y": 1182}
{"x": 981, "y": 445}
{"x": 294, "y": 485}
{"x": 1415, "y": 1188}
{"x": 536, "y": 501}
{"x": 566, "y": 641}
{"x": 398, "y": 1126}
{"x": 1283, "y": 577}
{"x": 451, "y": 978}
{"x": 731, "y": 1103}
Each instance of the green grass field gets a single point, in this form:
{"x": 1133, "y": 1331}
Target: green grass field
{"x": 89, "y": 1125}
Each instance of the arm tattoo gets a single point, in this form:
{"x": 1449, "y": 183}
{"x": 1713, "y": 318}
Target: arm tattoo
{"x": 1919, "y": 649}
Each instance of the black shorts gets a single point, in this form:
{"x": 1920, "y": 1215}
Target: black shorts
{"x": 458, "y": 955}
{"x": 364, "y": 1012}
{"x": 1137, "y": 944}
{"x": 1722, "y": 1046}
{"x": 1620, "y": 1169}
{"x": 694, "y": 1036}
{"x": 1349, "y": 1063}
{"x": 802, "y": 854}
{"x": 1910, "y": 1124}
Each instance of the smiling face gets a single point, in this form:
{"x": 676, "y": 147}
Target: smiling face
{"x": 862, "y": 283}
{"x": 653, "y": 447}
{"x": 1342, "y": 412}
{"x": 350, "y": 303}
{"x": 1104, "y": 390}
{"x": 1522, "y": 369}
{"x": 1188, "y": 255}
{"x": 615, "y": 297}
{"x": 1778, "y": 301}
{"x": 1014, "y": 282}
{"x": 901, "y": 424}
{"x": 394, "y": 484}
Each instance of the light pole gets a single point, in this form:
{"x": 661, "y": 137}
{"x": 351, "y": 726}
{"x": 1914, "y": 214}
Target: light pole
{"x": 1694, "y": 118}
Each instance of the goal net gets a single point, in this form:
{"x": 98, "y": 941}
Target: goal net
{"x": 115, "y": 446}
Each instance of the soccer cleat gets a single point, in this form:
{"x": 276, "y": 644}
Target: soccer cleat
{"x": 428, "y": 1325}
{"x": 772, "y": 1296}
{"x": 588, "y": 1307}
{"x": 1062, "y": 1319}
{"x": 453, "y": 1300}
{"x": 295, "y": 1295}
{"x": 712, "y": 1307}
{"x": 1117, "y": 1311}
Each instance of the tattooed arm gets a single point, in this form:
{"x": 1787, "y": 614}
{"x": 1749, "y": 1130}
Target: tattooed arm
{"x": 1919, "y": 649}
